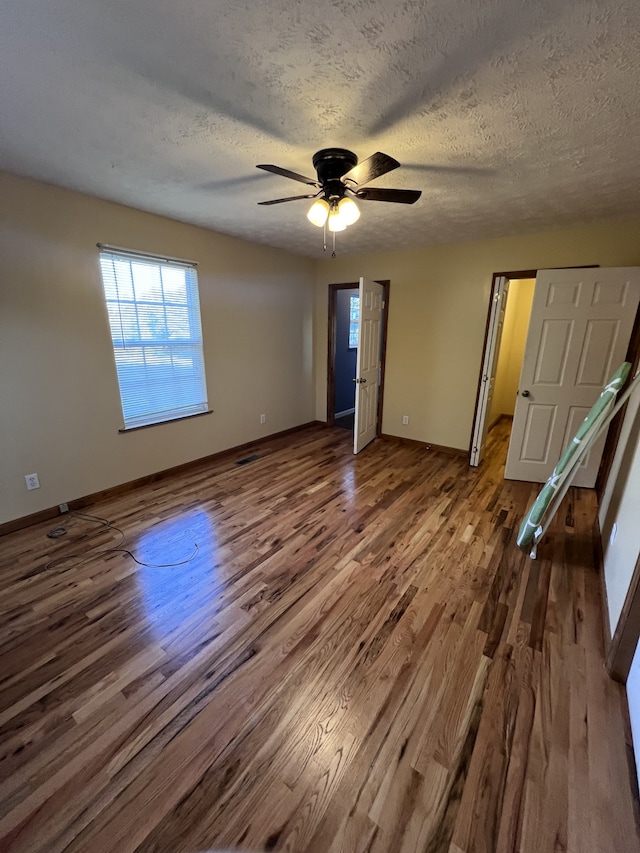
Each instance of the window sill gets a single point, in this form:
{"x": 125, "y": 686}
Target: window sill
{"x": 168, "y": 421}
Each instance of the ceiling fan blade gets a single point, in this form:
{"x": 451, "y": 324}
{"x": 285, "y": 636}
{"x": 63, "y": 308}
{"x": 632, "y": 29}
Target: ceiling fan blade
{"x": 287, "y": 174}
{"x": 397, "y": 196}
{"x": 291, "y": 198}
{"x": 373, "y": 167}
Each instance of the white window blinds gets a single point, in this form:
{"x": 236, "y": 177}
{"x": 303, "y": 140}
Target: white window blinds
{"x": 154, "y": 314}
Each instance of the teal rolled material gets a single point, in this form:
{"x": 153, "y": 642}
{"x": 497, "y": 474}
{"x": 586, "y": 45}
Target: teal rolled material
{"x": 531, "y": 527}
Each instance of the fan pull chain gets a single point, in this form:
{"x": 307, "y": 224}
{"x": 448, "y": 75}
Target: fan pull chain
{"x": 333, "y": 254}
{"x": 324, "y": 237}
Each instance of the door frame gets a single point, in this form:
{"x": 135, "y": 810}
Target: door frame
{"x": 620, "y": 649}
{"x": 331, "y": 346}
{"x": 615, "y": 428}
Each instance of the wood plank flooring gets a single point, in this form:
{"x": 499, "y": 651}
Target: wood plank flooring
{"x": 352, "y": 655}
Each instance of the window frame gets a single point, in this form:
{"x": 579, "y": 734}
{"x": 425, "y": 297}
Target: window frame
{"x": 131, "y": 318}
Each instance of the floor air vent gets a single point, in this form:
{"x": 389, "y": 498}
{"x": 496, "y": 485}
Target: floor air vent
{"x": 248, "y": 459}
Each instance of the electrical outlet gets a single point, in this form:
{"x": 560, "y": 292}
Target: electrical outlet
{"x": 64, "y": 507}
{"x": 32, "y": 481}
{"x": 263, "y": 419}
{"x": 405, "y": 420}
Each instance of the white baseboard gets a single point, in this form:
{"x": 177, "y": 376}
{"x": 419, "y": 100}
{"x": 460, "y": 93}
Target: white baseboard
{"x": 346, "y": 412}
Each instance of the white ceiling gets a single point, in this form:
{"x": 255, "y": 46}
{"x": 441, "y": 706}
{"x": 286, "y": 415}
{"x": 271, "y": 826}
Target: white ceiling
{"x": 510, "y": 115}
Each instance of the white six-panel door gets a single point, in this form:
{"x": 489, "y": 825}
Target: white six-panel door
{"x": 581, "y": 322}
{"x": 368, "y": 363}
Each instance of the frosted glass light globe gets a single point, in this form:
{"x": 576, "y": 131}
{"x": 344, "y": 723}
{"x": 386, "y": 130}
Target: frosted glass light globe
{"x": 318, "y": 212}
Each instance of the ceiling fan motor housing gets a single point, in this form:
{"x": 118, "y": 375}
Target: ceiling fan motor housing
{"x": 331, "y": 164}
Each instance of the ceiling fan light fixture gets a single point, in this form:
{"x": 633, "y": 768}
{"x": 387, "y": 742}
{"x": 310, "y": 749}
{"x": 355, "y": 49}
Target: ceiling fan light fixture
{"x": 318, "y": 212}
{"x": 336, "y": 221}
{"x": 339, "y": 172}
{"x": 348, "y": 210}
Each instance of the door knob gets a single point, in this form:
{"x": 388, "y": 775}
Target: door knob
{"x": 360, "y": 380}
{"x": 524, "y": 393}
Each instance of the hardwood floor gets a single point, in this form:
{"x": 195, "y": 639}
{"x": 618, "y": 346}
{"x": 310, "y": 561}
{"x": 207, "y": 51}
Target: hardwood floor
{"x": 357, "y": 658}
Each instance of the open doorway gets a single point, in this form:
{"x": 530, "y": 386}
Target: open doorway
{"x": 343, "y": 326}
{"x": 506, "y": 335}
{"x": 511, "y": 350}
{"x": 345, "y": 357}
{"x": 580, "y": 326}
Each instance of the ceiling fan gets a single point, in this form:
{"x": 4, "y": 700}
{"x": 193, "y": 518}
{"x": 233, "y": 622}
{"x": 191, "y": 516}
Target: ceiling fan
{"x": 340, "y": 180}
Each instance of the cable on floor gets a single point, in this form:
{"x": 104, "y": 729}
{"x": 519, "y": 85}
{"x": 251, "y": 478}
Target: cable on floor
{"x": 58, "y": 532}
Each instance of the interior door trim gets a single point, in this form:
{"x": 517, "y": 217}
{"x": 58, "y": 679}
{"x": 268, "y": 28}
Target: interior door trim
{"x": 615, "y": 428}
{"x": 621, "y": 649}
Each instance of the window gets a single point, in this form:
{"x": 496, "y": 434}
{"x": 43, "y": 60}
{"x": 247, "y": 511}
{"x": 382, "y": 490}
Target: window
{"x": 154, "y": 315}
{"x": 354, "y": 319}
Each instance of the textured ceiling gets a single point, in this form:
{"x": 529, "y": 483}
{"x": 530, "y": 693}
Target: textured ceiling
{"x": 509, "y": 116}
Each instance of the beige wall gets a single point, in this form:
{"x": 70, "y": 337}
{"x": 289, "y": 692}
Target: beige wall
{"x": 514, "y": 336}
{"x": 265, "y": 337}
{"x": 620, "y": 504}
{"x": 60, "y": 407}
{"x": 437, "y": 315}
